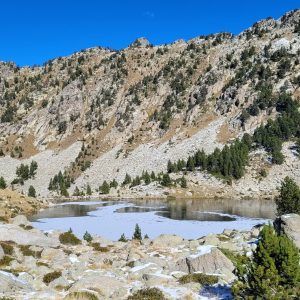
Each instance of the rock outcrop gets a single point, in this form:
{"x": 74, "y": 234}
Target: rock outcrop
{"x": 36, "y": 266}
{"x": 290, "y": 225}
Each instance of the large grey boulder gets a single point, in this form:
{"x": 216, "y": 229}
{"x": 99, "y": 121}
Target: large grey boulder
{"x": 20, "y": 220}
{"x": 10, "y": 283}
{"x": 209, "y": 260}
{"x": 14, "y": 233}
{"x": 104, "y": 285}
{"x": 290, "y": 225}
{"x": 167, "y": 240}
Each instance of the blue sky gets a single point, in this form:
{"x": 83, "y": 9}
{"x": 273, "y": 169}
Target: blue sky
{"x": 32, "y": 32}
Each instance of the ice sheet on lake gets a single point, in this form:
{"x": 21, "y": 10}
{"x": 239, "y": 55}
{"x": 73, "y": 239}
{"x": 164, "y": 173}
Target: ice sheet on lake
{"x": 109, "y": 224}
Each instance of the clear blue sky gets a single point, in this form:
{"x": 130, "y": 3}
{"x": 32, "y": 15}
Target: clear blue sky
{"x": 32, "y": 32}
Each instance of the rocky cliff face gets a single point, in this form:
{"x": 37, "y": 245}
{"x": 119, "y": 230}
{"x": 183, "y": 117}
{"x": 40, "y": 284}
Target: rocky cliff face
{"x": 99, "y": 114}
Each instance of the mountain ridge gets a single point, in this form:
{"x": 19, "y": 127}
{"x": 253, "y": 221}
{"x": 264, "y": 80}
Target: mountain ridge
{"x": 98, "y": 111}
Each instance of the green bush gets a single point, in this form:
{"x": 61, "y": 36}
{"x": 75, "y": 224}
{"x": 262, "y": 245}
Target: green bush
{"x": 68, "y": 238}
{"x": 49, "y": 277}
{"x": 203, "y": 279}
{"x": 2, "y": 183}
{"x": 26, "y": 251}
{"x": 87, "y": 237}
{"x": 98, "y": 247}
{"x": 5, "y": 261}
{"x": 7, "y": 248}
{"x": 147, "y": 294}
{"x": 31, "y": 192}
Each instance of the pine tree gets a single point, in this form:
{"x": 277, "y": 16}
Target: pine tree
{"x": 147, "y": 178}
{"x": 190, "y": 165}
{"x": 32, "y": 169}
{"x": 31, "y": 192}
{"x": 172, "y": 168}
{"x": 183, "y": 182}
{"x": 153, "y": 177}
{"x": 63, "y": 191}
{"x": 114, "y": 184}
{"x": 88, "y": 190}
{"x": 105, "y": 188}
{"x": 123, "y": 238}
{"x": 127, "y": 179}
{"x": 288, "y": 200}
{"x": 2, "y": 183}
{"x": 76, "y": 191}
{"x": 274, "y": 271}
{"x": 137, "y": 235}
{"x": 87, "y": 237}
{"x": 166, "y": 180}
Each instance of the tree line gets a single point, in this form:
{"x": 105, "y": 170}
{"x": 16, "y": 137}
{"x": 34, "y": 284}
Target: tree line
{"x": 230, "y": 162}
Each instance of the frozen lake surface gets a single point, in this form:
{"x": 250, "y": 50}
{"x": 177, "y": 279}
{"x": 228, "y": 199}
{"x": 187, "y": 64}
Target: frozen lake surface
{"x": 188, "y": 218}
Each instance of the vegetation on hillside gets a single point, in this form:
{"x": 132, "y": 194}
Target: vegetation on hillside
{"x": 273, "y": 272}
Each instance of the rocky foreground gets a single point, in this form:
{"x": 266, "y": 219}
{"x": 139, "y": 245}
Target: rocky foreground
{"x": 56, "y": 265}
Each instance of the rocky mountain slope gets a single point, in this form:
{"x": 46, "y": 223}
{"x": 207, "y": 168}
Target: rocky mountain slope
{"x": 99, "y": 113}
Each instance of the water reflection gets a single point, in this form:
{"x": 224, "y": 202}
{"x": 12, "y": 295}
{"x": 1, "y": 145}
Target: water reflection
{"x": 197, "y": 216}
{"x": 68, "y": 210}
{"x": 264, "y": 209}
{"x": 202, "y": 210}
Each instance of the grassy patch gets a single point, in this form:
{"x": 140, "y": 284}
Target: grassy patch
{"x": 147, "y": 294}
{"x": 237, "y": 259}
{"x": 26, "y": 251}
{"x": 26, "y": 227}
{"x": 3, "y": 219}
{"x": 42, "y": 264}
{"x": 68, "y": 238}
{"x": 82, "y": 295}
{"x": 203, "y": 279}
{"x": 49, "y": 277}
{"x": 5, "y": 261}
{"x": 97, "y": 247}
{"x": 7, "y": 248}
{"x": 223, "y": 238}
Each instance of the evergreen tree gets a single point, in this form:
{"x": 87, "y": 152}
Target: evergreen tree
{"x": 183, "y": 182}
{"x": 64, "y": 191}
{"x": 32, "y": 169}
{"x": 153, "y": 177}
{"x": 288, "y": 200}
{"x": 137, "y": 235}
{"x": 2, "y": 183}
{"x": 87, "y": 237}
{"x": 88, "y": 190}
{"x": 147, "y": 178}
{"x": 76, "y": 192}
{"x": 171, "y": 167}
{"x": 190, "y": 165}
{"x": 123, "y": 238}
{"x": 23, "y": 172}
{"x": 274, "y": 271}
{"x": 166, "y": 180}
{"x": 31, "y": 192}
{"x": 114, "y": 184}
{"x": 127, "y": 179}
{"x": 136, "y": 181}
{"x": 146, "y": 236}
{"x": 105, "y": 188}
